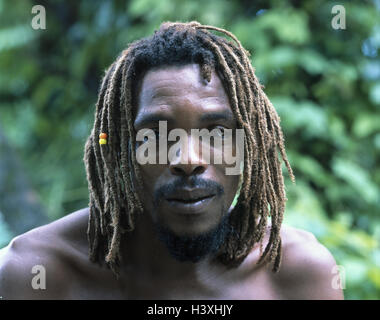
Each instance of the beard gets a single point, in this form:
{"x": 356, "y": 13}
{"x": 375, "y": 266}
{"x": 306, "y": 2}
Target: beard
{"x": 197, "y": 247}
{"x": 192, "y": 247}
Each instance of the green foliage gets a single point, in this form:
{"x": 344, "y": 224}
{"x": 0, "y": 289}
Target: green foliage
{"x": 5, "y": 233}
{"x": 354, "y": 249}
{"x": 325, "y": 84}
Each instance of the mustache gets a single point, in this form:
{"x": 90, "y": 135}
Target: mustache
{"x": 169, "y": 189}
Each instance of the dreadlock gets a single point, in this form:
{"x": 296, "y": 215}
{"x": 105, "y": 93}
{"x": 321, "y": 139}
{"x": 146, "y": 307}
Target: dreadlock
{"x": 112, "y": 169}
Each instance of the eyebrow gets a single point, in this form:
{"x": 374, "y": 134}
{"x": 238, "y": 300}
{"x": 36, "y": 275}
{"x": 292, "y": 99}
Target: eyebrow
{"x": 217, "y": 116}
{"x": 154, "y": 118}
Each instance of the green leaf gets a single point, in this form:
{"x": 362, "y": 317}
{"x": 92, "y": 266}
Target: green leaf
{"x": 5, "y": 233}
{"x": 357, "y": 178}
{"x": 366, "y": 124}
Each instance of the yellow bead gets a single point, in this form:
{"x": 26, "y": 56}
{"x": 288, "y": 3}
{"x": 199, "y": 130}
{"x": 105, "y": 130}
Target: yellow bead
{"x": 103, "y": 136}
{"x": 102, "y": 141}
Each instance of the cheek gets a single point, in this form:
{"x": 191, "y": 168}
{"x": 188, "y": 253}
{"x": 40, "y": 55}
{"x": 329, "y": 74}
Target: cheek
{"x": 233, "y": 185}
{"x": 229, "y": 182}
{"x": 150, "y": 175}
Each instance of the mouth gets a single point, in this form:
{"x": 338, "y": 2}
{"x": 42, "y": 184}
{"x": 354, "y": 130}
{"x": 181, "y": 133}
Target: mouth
{"x": 187, "y": 203}
{"x": 190, "y": 200}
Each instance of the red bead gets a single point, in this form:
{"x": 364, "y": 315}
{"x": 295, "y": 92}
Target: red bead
{"x": 103, "y": 136}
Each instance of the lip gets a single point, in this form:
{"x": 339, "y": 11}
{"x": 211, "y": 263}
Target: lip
{"x": 193, "y": 207}
{"x": 189, "y": 194}
{"x": 189, "y": 202}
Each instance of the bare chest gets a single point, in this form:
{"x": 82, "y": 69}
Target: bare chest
{"x": 257, "y": 286}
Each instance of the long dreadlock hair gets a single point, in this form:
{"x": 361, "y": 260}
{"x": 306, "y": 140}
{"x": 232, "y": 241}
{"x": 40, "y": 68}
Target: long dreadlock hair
{"x": 112, "y": 169}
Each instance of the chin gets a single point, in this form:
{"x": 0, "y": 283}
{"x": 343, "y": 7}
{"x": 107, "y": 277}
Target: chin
{"x": 193, "y": 243}
{"x": 193, "y": 224}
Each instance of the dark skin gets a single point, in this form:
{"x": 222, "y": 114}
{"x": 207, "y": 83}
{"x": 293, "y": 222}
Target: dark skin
{"x": 147, "y": 270}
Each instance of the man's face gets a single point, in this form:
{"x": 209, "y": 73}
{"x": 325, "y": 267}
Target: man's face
{"x": 185, "y": 199}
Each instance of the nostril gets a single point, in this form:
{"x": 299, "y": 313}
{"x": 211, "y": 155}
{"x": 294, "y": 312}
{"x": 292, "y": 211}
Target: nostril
{"x": 187, "y": 170}
{"x": 199, "y": 170}
{"x": 178, "y": 170}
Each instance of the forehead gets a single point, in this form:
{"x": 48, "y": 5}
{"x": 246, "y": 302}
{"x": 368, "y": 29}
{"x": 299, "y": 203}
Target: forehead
{"x": 165, "y": 88}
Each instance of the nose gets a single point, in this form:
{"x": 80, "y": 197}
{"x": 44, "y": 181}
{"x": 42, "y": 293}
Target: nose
{"x": 187, "y": 160}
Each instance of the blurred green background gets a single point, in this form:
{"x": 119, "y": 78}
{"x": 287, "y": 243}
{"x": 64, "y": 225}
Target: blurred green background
{"x": 324, "y": 83}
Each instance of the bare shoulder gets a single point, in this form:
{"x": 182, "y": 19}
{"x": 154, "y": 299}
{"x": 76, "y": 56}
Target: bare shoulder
{"x": 42, "y": 255}
{"x": 308, "y": 269}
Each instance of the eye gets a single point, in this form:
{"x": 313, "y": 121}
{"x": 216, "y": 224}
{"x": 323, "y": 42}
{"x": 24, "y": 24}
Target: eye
{"x": 148, "y": 134}
{"x": 219, "y": 131}
{"x": 156, "y": 132}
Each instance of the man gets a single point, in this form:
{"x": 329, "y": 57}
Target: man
{"x": 171, "y": 229}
